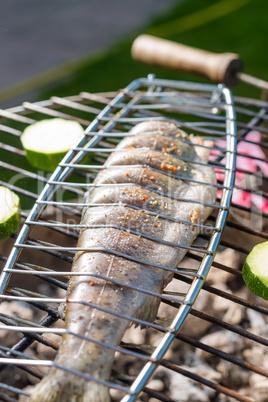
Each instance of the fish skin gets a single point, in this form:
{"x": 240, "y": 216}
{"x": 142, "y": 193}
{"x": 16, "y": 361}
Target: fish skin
{"x": 141, "y": 176}
{"x": 152, "y": 158}
{"x": 170, "y": 145}
{"x": 121, "y": 236}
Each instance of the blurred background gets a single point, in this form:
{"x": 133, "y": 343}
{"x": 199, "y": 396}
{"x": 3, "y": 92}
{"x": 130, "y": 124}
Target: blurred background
{"x": 63, "y": 47}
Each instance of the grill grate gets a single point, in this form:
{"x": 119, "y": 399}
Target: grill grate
{"x": 198, "y": 108}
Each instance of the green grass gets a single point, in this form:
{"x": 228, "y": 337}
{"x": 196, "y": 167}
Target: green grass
{"x": 238, "y": 26}
{"x": 218, "y": 28}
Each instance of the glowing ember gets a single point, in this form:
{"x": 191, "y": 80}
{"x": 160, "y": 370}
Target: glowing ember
{"x": 250, "y": 159}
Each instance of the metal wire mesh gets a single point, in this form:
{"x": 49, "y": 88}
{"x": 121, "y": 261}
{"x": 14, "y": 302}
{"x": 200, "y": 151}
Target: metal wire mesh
{"x": 200, "y": 109}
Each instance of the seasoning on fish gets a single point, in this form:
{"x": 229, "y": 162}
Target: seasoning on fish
{"x": 132, "y": 227}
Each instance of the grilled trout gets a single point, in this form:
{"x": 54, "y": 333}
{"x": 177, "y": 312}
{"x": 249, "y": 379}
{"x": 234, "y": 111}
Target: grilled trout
{"x": 148, "y": 178}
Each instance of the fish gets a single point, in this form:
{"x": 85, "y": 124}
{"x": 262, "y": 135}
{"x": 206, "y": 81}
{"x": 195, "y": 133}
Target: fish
{"x": 146, "y": 207}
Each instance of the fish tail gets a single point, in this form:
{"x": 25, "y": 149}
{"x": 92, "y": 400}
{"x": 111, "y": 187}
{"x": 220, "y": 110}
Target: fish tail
{"x": 59, "y": 386}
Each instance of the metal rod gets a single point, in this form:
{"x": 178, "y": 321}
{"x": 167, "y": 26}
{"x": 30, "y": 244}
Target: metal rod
{"x": 202, "y": 380}
{"x": 63, "y": 173}
{"x": 256, "y": 82}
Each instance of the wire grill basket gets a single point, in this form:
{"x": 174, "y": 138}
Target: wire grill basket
{"x": 42, "y": 254}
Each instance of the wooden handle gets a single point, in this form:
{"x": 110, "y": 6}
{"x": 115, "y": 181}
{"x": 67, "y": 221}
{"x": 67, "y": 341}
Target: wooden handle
{"x": 222, "y": 67}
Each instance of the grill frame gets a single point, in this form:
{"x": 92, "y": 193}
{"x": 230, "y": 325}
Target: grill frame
{"x": 243, "y": 399}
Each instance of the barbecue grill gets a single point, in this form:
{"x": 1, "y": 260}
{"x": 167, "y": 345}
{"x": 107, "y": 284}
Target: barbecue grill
{"x": 38, "y": 260}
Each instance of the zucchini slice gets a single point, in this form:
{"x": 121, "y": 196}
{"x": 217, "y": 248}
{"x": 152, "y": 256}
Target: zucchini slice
{"x": 9, "y": 212}
{"x": 47, "y": 141}
{"x": 255, "y": 270}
